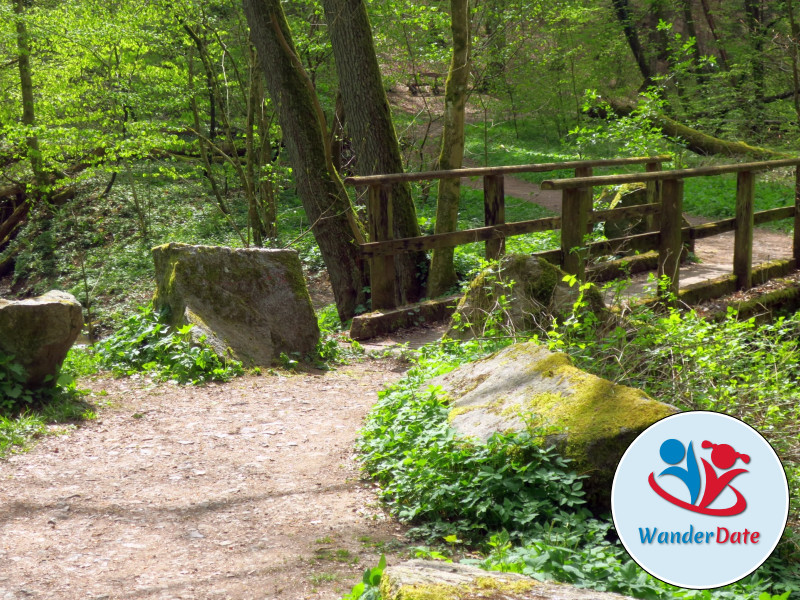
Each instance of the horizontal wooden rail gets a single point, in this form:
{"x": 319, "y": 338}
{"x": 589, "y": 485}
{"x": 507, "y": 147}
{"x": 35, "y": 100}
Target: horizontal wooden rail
{"x": 649, "y": 241}
{"x": 457, "y": 238}
{"x": 486, "y": 171}
{"x": 583, "y": 182}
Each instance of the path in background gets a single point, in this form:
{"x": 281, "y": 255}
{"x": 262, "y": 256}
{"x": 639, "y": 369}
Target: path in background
{"x": 715, "y": 253}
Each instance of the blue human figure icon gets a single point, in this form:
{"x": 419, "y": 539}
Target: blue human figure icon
{"x": 672, "y": 452}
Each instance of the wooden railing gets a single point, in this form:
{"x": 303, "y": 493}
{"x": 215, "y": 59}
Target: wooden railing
{"x": 381, "y": 248}
{"x": 664, "y": 199}
{"x": 671, "y": 236}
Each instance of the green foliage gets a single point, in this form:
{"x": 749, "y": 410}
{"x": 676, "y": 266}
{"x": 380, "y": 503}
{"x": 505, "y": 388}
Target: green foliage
{"x": 588, "y": 559}
{"x": 13, "y": 393}
{"x": 145, "y": 344}
{"x": 715, "y": 197}
{"x": 445, "y": 485}
{"x": 25, "y": 413}
{"x": 369, "y": 586}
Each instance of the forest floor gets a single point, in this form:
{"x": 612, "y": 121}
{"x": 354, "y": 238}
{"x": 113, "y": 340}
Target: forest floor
{"x": 241, "y": 490}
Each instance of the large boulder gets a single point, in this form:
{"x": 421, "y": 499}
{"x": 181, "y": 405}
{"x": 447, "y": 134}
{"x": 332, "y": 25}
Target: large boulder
{"x": 430, "y": 580}
{"x": 39, "y": 332}
{"x": 250, "y": 304}
{"x": 519, "y": 293}
{"x": 526, "y": 387}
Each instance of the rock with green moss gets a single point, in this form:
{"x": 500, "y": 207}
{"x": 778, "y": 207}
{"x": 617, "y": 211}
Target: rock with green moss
{"x": 526, "y": 387}
{"x": 629, "y": 194}
{"x": 250, "y": 304}
{"x": 519, "y": 293}
{"x": 431, "y": 580}
{"x": 38, "y": 333}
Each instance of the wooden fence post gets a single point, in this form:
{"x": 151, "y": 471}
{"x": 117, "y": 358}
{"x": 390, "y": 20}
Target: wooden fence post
{"x": 574, "y": 222}
{"x": 494, "y": 210}
{"x": 653, "y": 195}
{"x": 743, "y": 240}
{"x": 576, "y": 204}
{"x": 669, "y": 248}
{"x": 796, "y": 247}
{"x": 381, "y": 268}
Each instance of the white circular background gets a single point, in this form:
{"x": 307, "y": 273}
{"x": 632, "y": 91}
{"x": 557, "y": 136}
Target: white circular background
{"x": 635, "y": 505}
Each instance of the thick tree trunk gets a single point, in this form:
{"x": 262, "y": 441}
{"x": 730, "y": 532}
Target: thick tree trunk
{"x": 368, "y": 120}
{"x": 443, "y": 275}
{"x": 321, "y": 191}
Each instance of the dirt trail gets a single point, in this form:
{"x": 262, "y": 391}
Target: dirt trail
{"x": 243, "y": 490}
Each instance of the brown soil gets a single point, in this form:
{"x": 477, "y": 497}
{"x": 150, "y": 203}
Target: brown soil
{"x": 242, "y": 490}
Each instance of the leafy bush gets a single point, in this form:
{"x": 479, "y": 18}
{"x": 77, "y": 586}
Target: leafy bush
{"x": 447, "y": 486}
{"x": 146, "y": 344}
{"x": 444, "y": 484}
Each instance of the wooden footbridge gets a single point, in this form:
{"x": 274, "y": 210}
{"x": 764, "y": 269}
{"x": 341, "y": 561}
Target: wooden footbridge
{"x": 664, "y": 204}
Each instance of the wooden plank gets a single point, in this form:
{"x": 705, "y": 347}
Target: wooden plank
{"x": 670, "y": 245}
{"x": 743, "y": 240}
{"x": 494, "y": 210}
{"x": 382, "y": 273}
{"x": 627, "y": 212}
{"x": 563, "y": 184}
{"x": 574, "y": 221}
{"x": 698, "y": 232}
{"x": 484, "y": 171}
{"x": 796, "y": 241}
{"x": 773, "y": 214}
{"x": 457, "y": 238}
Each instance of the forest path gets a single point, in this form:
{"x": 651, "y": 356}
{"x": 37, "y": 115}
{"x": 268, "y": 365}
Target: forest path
{"x": 242, "y": 490}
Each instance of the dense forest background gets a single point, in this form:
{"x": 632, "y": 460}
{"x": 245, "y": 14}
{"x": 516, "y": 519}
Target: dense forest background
{"x": 126, "y": 124}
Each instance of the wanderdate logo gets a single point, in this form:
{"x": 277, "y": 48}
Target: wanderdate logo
{"x": 700, "y": 499}
{"x": 723, "y": 457}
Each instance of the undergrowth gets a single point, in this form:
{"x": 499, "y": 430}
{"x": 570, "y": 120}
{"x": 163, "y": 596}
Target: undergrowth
{"x": 145, "y": 344}
{"x": 448, "y": 488}
{"x": 25, "y": 413}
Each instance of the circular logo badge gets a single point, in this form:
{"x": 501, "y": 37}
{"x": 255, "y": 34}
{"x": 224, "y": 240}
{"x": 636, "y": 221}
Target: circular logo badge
{"x": 700, "y": 500}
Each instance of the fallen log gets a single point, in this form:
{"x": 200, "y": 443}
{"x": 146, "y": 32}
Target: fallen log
{"x": 696, "y": 141}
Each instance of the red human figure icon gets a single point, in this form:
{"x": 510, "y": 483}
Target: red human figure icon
{"x": 724, "y": 457}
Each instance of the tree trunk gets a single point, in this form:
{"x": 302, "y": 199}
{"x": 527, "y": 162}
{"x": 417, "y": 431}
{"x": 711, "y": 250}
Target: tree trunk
{"x": 723, "y": 55}
{"x": 623, "y": 13}
{"x": 321, "y": 191}
{"x": 697, "y": 141}
{"x": 443, "y": 275}
{"x": 368, "y": 120}
{"x": 26, "y": 88}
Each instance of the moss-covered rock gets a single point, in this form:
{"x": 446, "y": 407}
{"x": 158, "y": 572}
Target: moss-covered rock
{"x": 526, "y": 387}
{"x": 429, "y": 580}
{"x": 519, "y": 293}
{"x": 629, "y": 194}
{"x": 39, "y": 332}
{"x": 250, "y": 304}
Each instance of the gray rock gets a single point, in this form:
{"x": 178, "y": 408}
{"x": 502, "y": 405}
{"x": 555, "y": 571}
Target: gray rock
{"x": 526, "y": 387}
{"x": 534, "y": 292}
{"x": 39, "y": 332}
{"x": 427, "y": 580}
{"x": 250, "y": 304}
